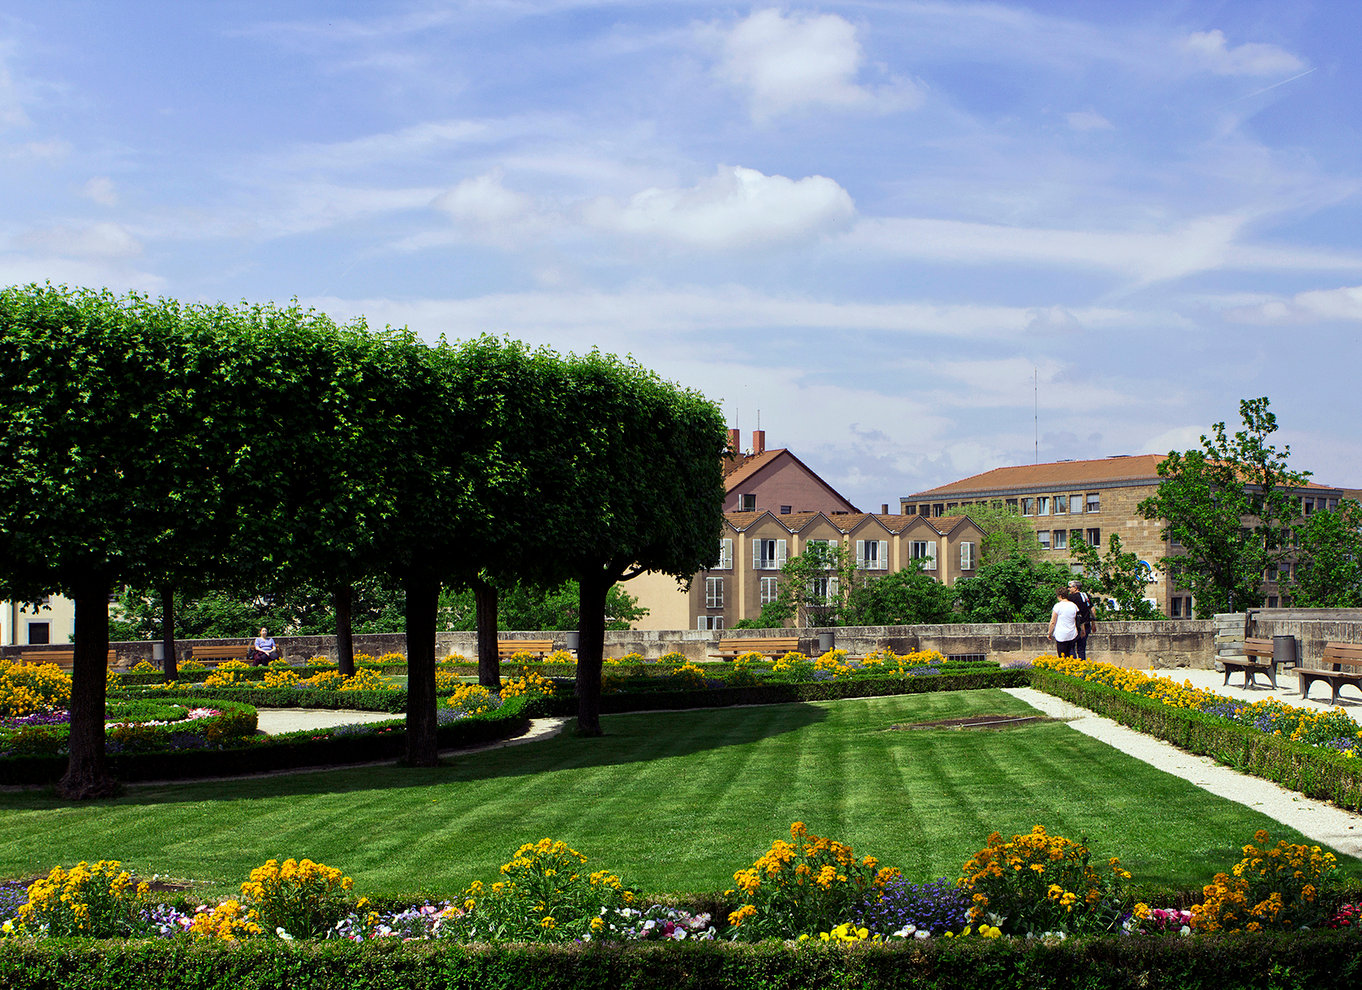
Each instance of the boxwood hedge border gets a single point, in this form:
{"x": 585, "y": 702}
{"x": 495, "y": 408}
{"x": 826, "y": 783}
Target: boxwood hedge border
{"x": 1319, "y": 960}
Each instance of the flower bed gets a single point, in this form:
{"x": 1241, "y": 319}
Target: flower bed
{"x": 1333, "y": 728}
{"x": 137, "y": 726}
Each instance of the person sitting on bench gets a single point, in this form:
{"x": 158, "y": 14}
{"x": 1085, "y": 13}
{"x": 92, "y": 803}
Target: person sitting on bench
{"x": 264, "y": 649}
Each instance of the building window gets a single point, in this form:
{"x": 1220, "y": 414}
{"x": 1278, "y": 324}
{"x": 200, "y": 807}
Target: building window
{"x": 1028, "y": 506}
{"x": 1307, "y": 506}
{"x": 1333, "y": 504}
{"x": 725, "y": 555}
{"x": 1076, "y": 504}
{"x": 768, "y": 555}
{"x": 925, "y": 550}
{"x": 1095, "y": 538}
{"x": 967, "y": 556}
{"x": 824, "y": 589}
{"x": 1094, "y": 502}
{"x": 1271, "y": 601}
{"x": 1011, "y": 505}
{"x": 907, "y": 510}
{"x": 709, "y": 622}
{"x": 938, "y": 509}
{"x": 1174, "y": 541}
{"x": 1272, "y": 573}
{"x": 39, "y": 633}
{"x": 872, "y": 555}
{"x": 1043, "y": 505}
{"x": 1044, "y": 537}
{"x": 769, "y": 591}
{"x": 785, "y": 510}
{"x": 1175, "y": 607}
{"x": 747, "y": 503}
{"x": 1061, "y": 505}
{"x": 714, "y": 592}
{"x": 1061, "y": 539}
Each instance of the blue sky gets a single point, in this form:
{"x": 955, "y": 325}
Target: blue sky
{"x": 910, "y": 237}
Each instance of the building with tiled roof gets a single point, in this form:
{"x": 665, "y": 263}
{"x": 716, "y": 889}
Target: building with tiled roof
{"x": 775, "y": 507}
{"x": 1071, "y": 501}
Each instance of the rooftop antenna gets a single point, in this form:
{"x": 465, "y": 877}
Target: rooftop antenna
{"x": 1035, "y": 406}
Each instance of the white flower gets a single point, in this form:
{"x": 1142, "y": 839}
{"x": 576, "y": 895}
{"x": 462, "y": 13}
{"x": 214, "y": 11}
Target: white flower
{"x": 283, "y": 934}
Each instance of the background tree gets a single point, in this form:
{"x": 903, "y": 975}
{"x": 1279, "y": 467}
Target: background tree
{"x": 813, "y": 586}
{"x": 1012, "y": 590}
{"x": 1230, "y": 507}
{"x": 1329, "y": 559}
{"x": 1006, "y": 533}
{"x": 906, "y": 597}
{"x": 1119, "y": 578}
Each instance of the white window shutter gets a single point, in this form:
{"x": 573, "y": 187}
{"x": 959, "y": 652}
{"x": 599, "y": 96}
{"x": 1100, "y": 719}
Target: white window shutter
{"x": 931, "y": 555}
{"x": 726, "y": 554}
{"x": 860, "y": 555}
{"x": 780, "y": 553}
{"x": 756, "y": 553}
{"x": 882, "y": 561}
{"x": 834, "y": 586}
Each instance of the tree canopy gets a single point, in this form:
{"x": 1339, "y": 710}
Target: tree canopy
{"x": 1229, "y": 507}
{"x": 1329, "y": 559}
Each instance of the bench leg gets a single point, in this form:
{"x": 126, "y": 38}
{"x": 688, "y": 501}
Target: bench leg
{"x": 1227, "y": 675}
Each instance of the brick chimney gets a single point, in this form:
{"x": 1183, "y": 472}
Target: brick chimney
{"x": 734, "y": 438}
{"x": 884, "y": 508}
{"x": 758, "y": 441}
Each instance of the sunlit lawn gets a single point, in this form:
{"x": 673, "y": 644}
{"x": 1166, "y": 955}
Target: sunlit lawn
{"x": 675, "y": 802}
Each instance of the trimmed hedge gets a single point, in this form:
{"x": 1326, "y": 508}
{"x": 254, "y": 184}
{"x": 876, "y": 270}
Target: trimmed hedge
{"x": 1318, "y": 960}
{"x": 282, "y": 697}
{"x": 1314, "y": 771}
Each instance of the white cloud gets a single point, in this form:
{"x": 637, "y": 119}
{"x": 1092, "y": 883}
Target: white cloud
{"x": 484, "y": 206}
{"x": 1207, "y": 243}
{"x": 1088, "y": 120}
{"x": 789, "y": 62}
{"x": 20, "y": 269}
{"x": 1210, "y": 50}
{"x": 97, "y": 240}
{"x": 38, "y": 151}
{"x": 11, "y": 105}
{"x": 1178, "y": 438}
{"x": 378, "y": 149}
{"x": 1305, "y": 307}
{"x": 737, "y": 207}
{"x": 101, "y": 190}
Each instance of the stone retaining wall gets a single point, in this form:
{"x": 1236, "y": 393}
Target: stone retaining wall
{"x": 1163, "y": 645}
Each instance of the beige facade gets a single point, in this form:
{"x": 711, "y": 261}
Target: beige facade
{"x": 755, "y": 546}
{"x": 1069, "y": 501}
{"x": 54, "y": 623}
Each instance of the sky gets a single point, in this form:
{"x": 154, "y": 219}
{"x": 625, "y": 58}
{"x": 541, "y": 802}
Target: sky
{"x": 910, "y": 241}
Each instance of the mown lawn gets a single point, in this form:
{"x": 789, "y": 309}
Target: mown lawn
{"x": 674, "y": 802}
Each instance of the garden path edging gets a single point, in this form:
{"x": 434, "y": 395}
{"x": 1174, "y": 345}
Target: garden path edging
{"x": 1323, "y": 823}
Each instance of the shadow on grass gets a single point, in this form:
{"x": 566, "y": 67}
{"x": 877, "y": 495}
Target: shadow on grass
{"x": 638, "y": 737}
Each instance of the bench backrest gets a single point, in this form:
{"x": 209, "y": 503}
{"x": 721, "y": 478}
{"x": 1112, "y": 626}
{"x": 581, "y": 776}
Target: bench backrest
{"x": 1342, "y": 655}
{"x": 510, "y": 647}
{"x": 1258, "y": 647}
{"x": 239, "y": 650}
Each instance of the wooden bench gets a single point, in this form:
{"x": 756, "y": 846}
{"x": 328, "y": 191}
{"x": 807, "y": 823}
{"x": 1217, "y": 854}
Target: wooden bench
{"x": 537, "y": 648}
{"x": 1257, "y": 660}
{"x": 211, "y": 656}
{"x": 65, "y": 659}
{"x": 774, "y": 646}
{"x": 1340, "y": 664}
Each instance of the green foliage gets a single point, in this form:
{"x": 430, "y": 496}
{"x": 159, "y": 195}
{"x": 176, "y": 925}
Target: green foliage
{"x": 813, "y": 587}
{"x": 1011, "y": 590}
{"x": 906, "y": 597}
{"x": 1006, "y": 533}
{"x": 1119, "y": 577}
{"x": 1230, "y": 508}
{"x": 1329, "y": 560}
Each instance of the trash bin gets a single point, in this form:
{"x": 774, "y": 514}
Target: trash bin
{"x": 1284, "y": 652}
{"x": 825, "y": 641}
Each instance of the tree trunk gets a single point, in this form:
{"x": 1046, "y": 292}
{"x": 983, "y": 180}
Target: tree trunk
{"x": 169, "y": 667}
{"x": 423, "y": 596}
{"x": 87, "y": 773}
{"x": 592, "y": 589}
{"x": 343, "y": 599}
{"x": 489, "y": 664}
